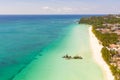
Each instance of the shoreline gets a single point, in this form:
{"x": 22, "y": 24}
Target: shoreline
{"x": 97, "y": 55}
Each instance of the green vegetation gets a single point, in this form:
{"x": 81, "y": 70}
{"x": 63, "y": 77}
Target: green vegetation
{"x": 106, "y": 54}
{"x": 99, "y": 20}
{"x": 115, "y": 72}
{"x": 105, "y": 38}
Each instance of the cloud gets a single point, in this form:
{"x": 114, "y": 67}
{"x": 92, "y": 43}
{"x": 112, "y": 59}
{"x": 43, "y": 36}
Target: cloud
{"x": 46, "y": 8}
{"x": 50, "y": 9}
{"x": 68, "y": 9}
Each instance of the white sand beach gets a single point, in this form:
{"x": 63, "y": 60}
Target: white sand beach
{"x": 96, "y": 48}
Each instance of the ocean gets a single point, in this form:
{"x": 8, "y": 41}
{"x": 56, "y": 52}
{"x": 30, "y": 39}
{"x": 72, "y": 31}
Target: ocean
{"x": 32, "y": 46}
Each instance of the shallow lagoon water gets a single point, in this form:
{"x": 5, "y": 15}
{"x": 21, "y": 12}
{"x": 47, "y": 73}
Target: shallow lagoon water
{"x": 51, "y": 66}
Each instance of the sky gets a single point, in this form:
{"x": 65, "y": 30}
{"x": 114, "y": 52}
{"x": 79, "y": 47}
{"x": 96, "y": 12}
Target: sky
{"x": 59, "y": 6}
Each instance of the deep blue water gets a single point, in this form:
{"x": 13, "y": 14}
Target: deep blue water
{"x": 22, "y": 37}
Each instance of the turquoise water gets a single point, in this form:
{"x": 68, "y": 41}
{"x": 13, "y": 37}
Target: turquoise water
{"x": 32, "y": 47}
{"x": 52, "y": 66}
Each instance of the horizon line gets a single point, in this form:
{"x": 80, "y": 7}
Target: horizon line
{"x": 58, "y": 14}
